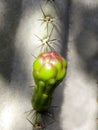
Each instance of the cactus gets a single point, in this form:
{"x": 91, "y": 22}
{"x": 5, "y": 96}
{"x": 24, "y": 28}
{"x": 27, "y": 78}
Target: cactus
{"x": 49, "y": 69}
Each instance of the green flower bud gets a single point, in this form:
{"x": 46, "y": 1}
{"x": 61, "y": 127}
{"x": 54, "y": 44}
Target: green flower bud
{"x": 49, "y": 69}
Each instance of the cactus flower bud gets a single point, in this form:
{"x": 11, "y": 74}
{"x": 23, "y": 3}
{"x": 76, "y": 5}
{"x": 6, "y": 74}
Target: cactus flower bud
{"x": 49, "y": 69}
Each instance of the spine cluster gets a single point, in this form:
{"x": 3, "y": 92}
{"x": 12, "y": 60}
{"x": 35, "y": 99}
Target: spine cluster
{"x": 49, "y": 69}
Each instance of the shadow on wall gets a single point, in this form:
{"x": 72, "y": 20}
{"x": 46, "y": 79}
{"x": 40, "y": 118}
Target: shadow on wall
{"x": 87, "y": 41}
{"x": 7, "y": 34}
{"x": 65, "y": 29}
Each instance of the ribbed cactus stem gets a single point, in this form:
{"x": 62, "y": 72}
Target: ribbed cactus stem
{"x": 41, "y": 101}
{"x": 49, "y": 69}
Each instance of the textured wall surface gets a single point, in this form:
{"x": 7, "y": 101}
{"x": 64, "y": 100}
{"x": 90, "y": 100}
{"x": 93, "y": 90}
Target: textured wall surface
{"x": 76, "y": 31}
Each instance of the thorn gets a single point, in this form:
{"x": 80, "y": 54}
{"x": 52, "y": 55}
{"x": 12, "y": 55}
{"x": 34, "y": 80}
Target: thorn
{"x": 34, "y": 56}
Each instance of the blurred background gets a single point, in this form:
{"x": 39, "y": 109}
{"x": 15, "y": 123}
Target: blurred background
{"x": 76, "y": 31}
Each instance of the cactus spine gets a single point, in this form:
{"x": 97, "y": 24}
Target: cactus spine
{"x": 49, "y": 69}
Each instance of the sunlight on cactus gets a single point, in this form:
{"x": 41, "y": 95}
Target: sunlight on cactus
{"x": 49, "y": 70}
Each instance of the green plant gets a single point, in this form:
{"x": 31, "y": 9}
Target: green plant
{"x": 49, "y": 69}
